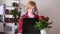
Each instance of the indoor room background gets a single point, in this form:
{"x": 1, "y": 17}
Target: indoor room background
{"x": 49, "y": 8}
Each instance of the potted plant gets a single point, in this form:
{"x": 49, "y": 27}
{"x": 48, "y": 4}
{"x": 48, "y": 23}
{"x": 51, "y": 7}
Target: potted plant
{"x": 43, "y": 24}
{"x": 16, "y": 16}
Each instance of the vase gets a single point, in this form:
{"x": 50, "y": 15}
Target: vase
{"x": 45, "y": 31}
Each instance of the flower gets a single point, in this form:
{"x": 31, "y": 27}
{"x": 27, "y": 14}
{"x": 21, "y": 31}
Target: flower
{"x": 43, "y": 22}
{"x": 47, "y": 18}
{"x": 41, "y": 17}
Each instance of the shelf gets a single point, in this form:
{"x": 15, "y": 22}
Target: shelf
{"x": 8, "y": 16}
{"x": 10, "y": 7}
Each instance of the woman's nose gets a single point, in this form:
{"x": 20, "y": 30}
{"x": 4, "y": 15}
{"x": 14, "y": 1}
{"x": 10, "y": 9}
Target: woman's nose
{"x": 31, "y": 9}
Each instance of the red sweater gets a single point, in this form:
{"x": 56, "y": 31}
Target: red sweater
{"x": 20, "y": 23}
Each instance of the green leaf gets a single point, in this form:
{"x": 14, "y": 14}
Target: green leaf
{"x": 42, "y": 24}
{"x": 49, "y": 26}
{"x": 15, "y": 13}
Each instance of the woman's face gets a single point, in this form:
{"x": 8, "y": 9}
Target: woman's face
{"x": 31, "y": 9}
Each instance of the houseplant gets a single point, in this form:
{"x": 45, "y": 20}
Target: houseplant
{"x": 16, "y": 16}
{"x": 43, "y": 24}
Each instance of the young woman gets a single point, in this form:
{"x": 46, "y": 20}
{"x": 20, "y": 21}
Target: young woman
{"x": 30, "y": 13}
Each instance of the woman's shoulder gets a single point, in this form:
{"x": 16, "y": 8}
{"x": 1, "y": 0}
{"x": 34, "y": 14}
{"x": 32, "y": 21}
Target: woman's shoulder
{"x": 37, "y": 16}
{"x": 24, "y": 16}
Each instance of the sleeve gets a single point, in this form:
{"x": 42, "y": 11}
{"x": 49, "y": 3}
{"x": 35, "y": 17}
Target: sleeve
{"x": 37, "y": 16}
{"x": 20, "y": 23}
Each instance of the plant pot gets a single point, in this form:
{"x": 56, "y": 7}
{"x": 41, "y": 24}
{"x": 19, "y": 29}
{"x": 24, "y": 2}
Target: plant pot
{"x": 45, "y": 31}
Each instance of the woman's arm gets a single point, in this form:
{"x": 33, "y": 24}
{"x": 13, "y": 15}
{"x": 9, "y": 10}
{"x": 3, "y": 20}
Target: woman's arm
{"x": 20, "y": 24}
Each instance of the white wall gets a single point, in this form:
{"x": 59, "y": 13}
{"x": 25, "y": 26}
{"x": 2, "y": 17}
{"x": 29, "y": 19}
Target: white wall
{"x": 1, "y": 9}
{"x": 49, "y": 8}
{"x": 8, "y": 2}
{"x": 1, "y": 2}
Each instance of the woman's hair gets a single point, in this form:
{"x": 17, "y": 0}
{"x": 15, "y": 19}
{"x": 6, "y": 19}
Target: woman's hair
{"x": 31, "y": 3}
